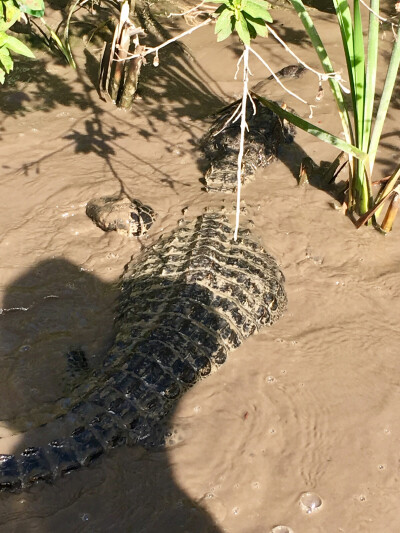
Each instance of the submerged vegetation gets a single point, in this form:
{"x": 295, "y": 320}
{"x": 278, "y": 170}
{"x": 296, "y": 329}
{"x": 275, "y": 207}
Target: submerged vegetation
{"x": 361, "y": 108}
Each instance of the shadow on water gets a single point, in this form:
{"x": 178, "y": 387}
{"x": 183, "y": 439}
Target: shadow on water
{"x": 177, "y": 92}
{"x": 48, "y": 310}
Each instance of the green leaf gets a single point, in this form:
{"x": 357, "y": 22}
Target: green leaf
{"x": 263, "y": 3}
{"x": 18, "y": 46}
{"x": 224, "y": 20}
{"x": 242, "y": 29}
{"x": 9, "y": 14}
{"x": 256, "y": 11}
{"x": 2, "y": 75}
{"x": 32, "y": 7}
{"x": 326, "y": 65}
{"x": 372, "y": 61}
{"x": 313, "y": 130}
{"x": 5, "y": 59}
{"x": 258, "y": 25}
{"x": 226, "y": 26}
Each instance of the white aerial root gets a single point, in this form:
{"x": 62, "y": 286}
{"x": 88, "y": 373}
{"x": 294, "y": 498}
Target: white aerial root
{"x": 276, "y": 77}
{"x": 191, "y": 15}
{"x": 243, "y": 127}
{"x": 382, "y": 19}
{"x": 322, "y": 76}
{"x": 155, "y": 49}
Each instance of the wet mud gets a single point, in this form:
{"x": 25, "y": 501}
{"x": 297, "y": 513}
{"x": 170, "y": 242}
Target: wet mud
{"x": 308, "y": 405}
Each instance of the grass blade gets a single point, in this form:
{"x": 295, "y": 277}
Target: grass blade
{"x": 312, "y": 129}
{"x": 385, "y": 99}
{"x": 346, "y": 29}
{"x": 326, "y": 65}
{"x": 358, "y": 72}
{"x": 371, "y": 69}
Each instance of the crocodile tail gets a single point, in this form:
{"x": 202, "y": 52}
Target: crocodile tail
{"x": 120, "y": 424}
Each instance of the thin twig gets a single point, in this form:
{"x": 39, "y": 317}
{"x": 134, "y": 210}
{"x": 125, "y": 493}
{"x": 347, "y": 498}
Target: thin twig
{"x": 155, "y": 49}
{"x": 192, "y": 10}
{"x": 243, "y": 127}
{"x": 276, "y": 77}
{"x": 373, "y": 12}
{"x": 322, "y": 76}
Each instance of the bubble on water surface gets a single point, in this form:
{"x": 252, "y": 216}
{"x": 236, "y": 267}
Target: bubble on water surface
{"x": 282, "y": 529}
{"x": 310, "y": 502}
{"x": 25, "y": 348}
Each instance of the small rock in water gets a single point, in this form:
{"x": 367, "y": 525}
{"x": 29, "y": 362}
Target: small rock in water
{"x": 310, "y": 502}
{"x": 282, "y": 529}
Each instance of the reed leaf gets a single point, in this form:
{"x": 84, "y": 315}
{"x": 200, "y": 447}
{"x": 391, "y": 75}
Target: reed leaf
{"x": 371, "y": 70}
{"x": 312, "y": 129}
{"x": 326, "y": 65}
{"x": 388, "y": 87}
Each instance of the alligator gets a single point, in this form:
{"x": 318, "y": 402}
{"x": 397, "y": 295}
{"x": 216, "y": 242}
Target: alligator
{"x": 185, "y": 303}
{"x": 266, "y": 132}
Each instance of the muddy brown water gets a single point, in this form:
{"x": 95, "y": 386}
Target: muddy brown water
{"x": 309, "y": 405}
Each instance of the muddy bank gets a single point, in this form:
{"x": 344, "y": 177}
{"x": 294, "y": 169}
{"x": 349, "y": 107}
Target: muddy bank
{"x": 310, "y": 404}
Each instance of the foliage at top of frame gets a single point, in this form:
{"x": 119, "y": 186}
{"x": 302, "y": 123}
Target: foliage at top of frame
{"x": 247, "y": 17}
{"x": 10, "y": 12}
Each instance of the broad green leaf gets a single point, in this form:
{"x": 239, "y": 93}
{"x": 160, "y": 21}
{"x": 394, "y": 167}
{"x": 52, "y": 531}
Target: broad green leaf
{"x": 312, "y": 129}
{"x": 256, "y": 11}
{"x": 220, "y": 9}
{"x": 3, "y": 38}
{"x": 18, "y": 46}
{"x": 5, "y": 59}
{"x": 9, "y": 14}
{"x": 258, "y": 25}
{"x": 262, "y": 3}
{"x": 226, "y": 29}
{"x": 32, "y": 7}
{"x": 242, "y": 29}
{"x": 224, "y": 20}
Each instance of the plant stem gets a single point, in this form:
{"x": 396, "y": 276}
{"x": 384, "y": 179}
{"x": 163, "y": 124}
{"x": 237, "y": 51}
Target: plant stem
{"x": 326, "y": 65}
{"x": 243, "y": 126}
{"x": 385, "y": 100}
{"x": 155, "y": 49}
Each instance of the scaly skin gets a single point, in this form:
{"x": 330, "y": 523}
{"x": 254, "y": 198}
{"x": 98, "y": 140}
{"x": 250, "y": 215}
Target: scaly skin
{"x": 221, "y": 144}
{"x": 185, "y": 304}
